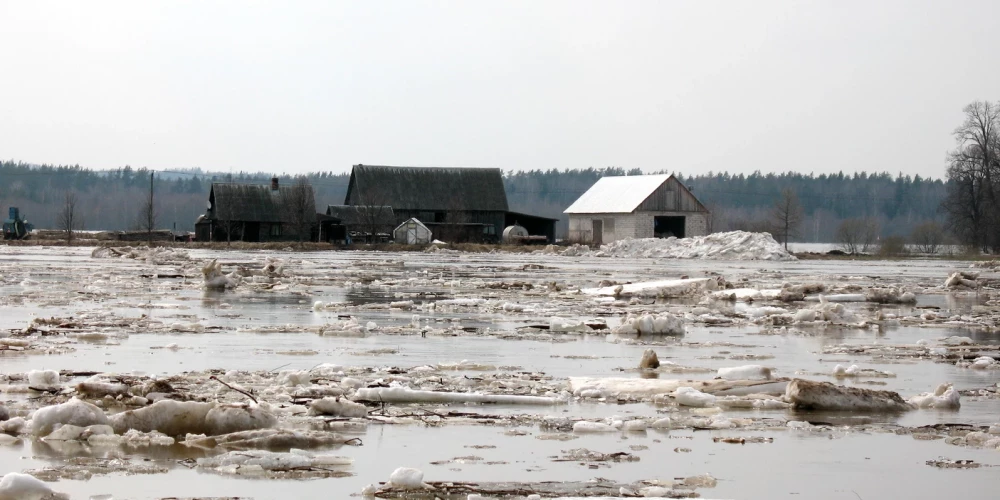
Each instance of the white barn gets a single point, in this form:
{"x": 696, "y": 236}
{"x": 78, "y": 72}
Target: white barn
{"x": 636, "y": 206}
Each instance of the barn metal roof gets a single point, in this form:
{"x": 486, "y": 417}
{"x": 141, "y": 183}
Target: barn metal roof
{"x": 614, "y": 195}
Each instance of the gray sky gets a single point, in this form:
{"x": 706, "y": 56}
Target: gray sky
{"x": 321, "y": 85}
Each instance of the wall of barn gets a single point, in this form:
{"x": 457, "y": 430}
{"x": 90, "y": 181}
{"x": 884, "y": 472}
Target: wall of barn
{"x": 634, "y": 225}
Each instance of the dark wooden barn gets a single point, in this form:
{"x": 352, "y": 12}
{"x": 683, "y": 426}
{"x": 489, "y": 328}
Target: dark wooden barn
{"x": 250, "y": 212}
{"x": 458, "y": 204}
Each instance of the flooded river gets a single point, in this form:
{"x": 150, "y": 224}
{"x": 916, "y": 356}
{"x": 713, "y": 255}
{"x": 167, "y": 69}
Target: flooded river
{"x": 376, "y": 314}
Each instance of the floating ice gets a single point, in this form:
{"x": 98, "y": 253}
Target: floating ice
{"x": 73, "y": 412}
{"x": 648, "y": 324}
{"x": 405, "y": 395}
{"x": 339, "y": 407}
{"x": 944, "y": 397}
{"x": 173, "y": 418}
{"x": 746, "y": 372}
{"x": 215, "y": 278}
{"x": 592, "y": 427}
{"x": 649, "y": 360}
{"x": 407, "y": 478}
{"x": 826, "y": 396}
{"x": 43, "y": 378}
{"x": 16, "y": 486}
{"x": 688, "y": 396}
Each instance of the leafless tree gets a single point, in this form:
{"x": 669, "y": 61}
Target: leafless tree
{"x": 786, "y": 216}
{"x": 857, "y": 235}
{"x": 928, "y": 237}
{"x": 300, "y": 206}
{"x": 147, "y": 218}
{"x": 373, "y": 213}
{"x": 68, "y": 220}
{"x": 973, "y": 202}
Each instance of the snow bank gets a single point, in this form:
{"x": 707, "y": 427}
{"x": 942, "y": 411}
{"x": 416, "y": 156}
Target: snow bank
{"x": 734, "y": 245}
{"x": 811, "y": 395}
{"x": 73, "y": 412}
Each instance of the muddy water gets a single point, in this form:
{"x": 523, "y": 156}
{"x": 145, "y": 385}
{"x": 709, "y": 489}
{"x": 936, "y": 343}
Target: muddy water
{"x": 842, "y": 464}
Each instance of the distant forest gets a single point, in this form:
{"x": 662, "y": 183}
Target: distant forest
{"x": 112, "y": 199}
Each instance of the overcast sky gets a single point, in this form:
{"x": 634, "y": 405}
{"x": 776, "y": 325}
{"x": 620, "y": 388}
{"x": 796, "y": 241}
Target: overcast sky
{"x": 321, "y": 85}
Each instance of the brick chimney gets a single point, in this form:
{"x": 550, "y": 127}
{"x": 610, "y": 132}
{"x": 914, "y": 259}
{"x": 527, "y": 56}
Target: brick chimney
{"x": 274, "y": 183}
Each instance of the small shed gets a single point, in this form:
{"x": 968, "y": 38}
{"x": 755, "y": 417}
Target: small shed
{"x": 250, "y": 212}
{"x": 636, "y": 206}
{"x": 412, "y": 232}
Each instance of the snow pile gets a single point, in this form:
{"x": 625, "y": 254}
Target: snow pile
{"x": 735, "y": 245}
{"x": 648, "y": 324}
{"x": 15, "y": 486}
{"x": 944, "y": 397}
{"x": 73, "y": 412}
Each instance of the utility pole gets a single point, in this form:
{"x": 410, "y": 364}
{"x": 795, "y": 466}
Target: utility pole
{"x": 149, "y": 216}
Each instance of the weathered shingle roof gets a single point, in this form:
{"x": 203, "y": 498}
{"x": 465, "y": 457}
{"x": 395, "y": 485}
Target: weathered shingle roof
{"x": 427, "y": 188}
{"x": 619, "y": 194}
{"x": 250, "y": 202}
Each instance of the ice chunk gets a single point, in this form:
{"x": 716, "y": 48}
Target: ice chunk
{"x": 13, "y": 426}
{"x": 557, "y": 324}
{"x": 95, "y": 390}
{"x": 984, "y": 363}
{"x": 962, "y": 279}
{"x": 746, "y": 372}
{"x": 688, "y": 396}
{"x": 944, "y": 397}
{"x": 215, "y": 278}
{"x": 73, "y": 412}
{"x": 890, "y": 295}
{"x": 635, "y": 426}
{"x": 16, "y": 486}
{"x": 339, "y": 407}
{"x": 228, "y": 418}
{"x": 173, "y": 418}
{"x": 660, "y": 288}
{"x": 591, "y": 427}
{"x": 405, "y": 395}
{"x": 43, "y": 378}
{"x": 826, "y": 396}
{"x": 649, "y": 360}
{"x": 840, "y": 371}
{"x": 407, "y": 478}
{"x": 648, "y": 324}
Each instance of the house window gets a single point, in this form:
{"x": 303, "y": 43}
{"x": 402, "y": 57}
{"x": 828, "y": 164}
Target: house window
{"x": 275, "y": 230}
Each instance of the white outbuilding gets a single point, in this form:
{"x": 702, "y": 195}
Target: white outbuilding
{"x": 636, "y": 206}
{"x": 411, "y": 232}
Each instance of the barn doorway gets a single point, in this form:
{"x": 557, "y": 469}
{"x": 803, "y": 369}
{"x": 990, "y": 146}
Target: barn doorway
{"x": 598, "y": 231}
{"x": 666, "y": 226}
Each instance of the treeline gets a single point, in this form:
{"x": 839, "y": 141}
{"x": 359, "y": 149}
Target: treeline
{"x": 112, "y": 199}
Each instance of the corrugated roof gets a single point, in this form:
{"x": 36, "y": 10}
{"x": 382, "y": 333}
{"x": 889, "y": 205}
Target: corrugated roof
{"x": 427, "y": 188}
{"x": 613, "y": 195}
{"x": 250, "y": 203}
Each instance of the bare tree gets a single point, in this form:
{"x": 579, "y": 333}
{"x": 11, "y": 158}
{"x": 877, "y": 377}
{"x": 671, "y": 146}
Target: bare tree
{"x": 973, "y": 201}
{"x": 927, "y": 237}
{"x": 147, "y": 218}
{"x": 67, "y": 219}
{"x": 373, "y": 214}
{"x": 300, "y": 207}
{"x": 786, "y": 216}
{"x": 857, "y": 235}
